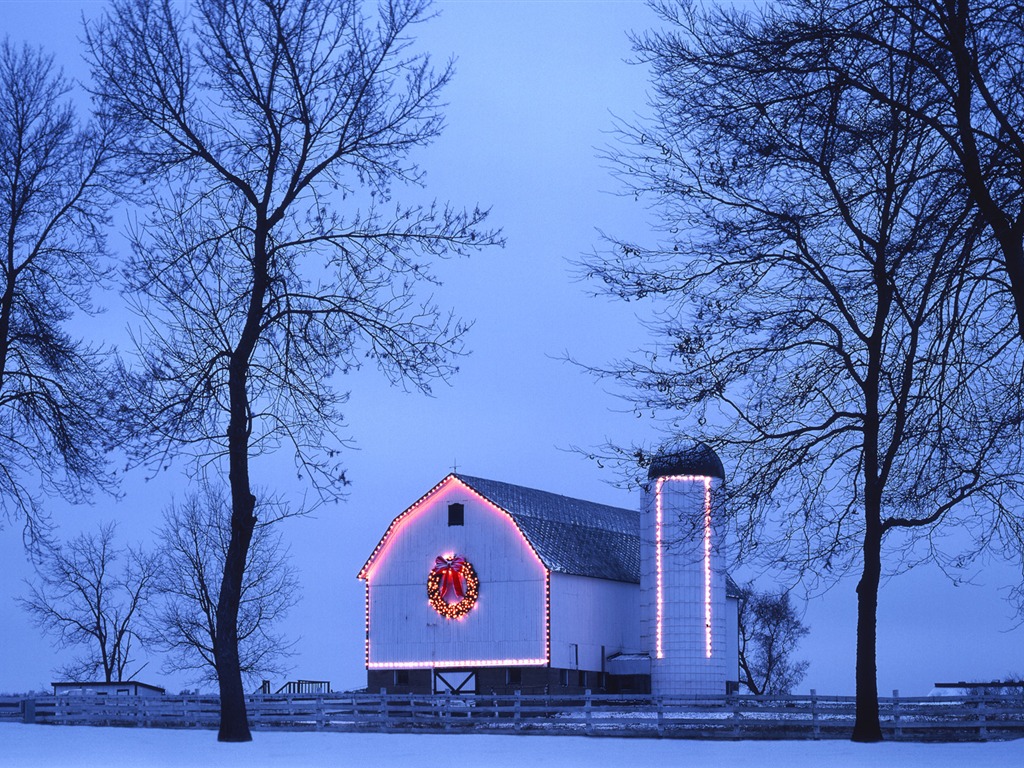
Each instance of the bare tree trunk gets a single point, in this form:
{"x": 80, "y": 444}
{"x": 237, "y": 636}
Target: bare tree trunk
{"x": 6, "y": 309}
{"x": 234, "y": 724}
{"x": 867, "y": 727}
{"x": 748, "y": 678}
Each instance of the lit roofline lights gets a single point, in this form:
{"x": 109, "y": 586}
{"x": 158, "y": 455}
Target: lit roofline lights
{"x": 659, "y": 600}
{"x": 707, "y": 567}
{"x": 457, "y": 663}
{"x": 366, "y": 572}
{"x": 659, "y": 651}
{"x": 368, "y": 569}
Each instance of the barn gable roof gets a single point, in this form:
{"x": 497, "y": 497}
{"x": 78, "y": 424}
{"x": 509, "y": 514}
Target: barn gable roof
{"x": 569, "y": 535}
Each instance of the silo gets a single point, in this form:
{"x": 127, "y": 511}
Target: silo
{"x": 682, "y": 573}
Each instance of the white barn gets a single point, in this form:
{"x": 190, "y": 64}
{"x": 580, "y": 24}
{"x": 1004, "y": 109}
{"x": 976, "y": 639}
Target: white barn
{"x": 485, "y": 586}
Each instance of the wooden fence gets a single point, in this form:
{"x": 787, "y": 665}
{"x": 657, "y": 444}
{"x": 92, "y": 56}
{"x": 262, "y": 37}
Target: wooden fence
{"x": 978, "y": 717}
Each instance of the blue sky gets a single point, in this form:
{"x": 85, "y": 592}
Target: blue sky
{"x": 532, "y": 102}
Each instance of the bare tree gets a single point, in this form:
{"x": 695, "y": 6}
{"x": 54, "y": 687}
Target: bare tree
{"x": 53, "y": 393}
{"x": 968, "y": 54}
{"x": 267, "y": 138}
{"x": 830, "y": 316}
{"x": 769, "y": 631}
{"x": 182, "y": 619}
{"x": 88, "y": 592}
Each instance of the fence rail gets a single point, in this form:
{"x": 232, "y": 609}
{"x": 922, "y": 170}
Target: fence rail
{"x": 977, "y": 717}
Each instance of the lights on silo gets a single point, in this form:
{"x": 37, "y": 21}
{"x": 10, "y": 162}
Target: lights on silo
{"x": 659, "y": 565}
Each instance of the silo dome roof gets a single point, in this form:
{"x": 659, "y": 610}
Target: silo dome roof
{"x": 688, "y": 458}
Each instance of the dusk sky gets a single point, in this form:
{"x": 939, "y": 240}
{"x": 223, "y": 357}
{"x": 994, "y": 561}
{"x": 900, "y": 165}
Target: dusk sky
{"x": 535, "y": 94}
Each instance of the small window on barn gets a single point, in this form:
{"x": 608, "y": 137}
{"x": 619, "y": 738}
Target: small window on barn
{"x": 401, "y": 677}
{"x": 513, "y": 676}
{"x": 564, "y": 678}
{"x": 456, "y": 514}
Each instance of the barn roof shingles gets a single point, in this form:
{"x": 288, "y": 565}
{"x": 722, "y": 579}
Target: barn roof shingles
{"x": 582, "y": 538}
{"x": 570, "y": 535}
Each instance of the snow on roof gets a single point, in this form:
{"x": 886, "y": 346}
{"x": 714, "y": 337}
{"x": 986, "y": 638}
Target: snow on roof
{"x": 686, "y": 458}
{"x": 65, "y": 685}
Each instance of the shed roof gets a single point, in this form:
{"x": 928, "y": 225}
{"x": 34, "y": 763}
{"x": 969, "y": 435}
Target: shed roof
{"x": 101, "y": 684}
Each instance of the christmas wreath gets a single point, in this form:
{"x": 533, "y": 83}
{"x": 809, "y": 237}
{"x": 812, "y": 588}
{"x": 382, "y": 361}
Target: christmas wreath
{"x": 452, "y": 586}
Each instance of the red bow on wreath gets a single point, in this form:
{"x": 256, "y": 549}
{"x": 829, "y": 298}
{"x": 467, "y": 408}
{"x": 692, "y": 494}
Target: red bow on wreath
{"x": 452, "y": 578}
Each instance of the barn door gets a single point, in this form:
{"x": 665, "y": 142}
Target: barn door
{"x": 454, "y": 681}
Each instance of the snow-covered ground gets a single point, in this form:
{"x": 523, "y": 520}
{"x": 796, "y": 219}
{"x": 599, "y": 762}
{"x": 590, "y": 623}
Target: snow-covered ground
{"x": 53, "y": 745}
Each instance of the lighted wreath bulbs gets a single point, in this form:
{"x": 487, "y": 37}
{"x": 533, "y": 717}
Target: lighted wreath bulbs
{"x": 452, "y": 586}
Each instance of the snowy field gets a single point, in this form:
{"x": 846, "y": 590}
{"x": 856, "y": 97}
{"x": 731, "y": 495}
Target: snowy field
{"x": 54, "y": 745}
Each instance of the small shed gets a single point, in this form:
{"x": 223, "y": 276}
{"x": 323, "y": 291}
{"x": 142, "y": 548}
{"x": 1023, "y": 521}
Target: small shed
{"x": 118, "y": 688}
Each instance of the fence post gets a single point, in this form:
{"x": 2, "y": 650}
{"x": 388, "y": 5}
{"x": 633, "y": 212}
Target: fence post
{"x": 588, "y": 711}
{"x": 28, "y": 710}
{"x": 660, "y": 703}
{"x": 383, "y": 708}
{"x": 736, "y": 716}
{"x": 518, "y": 722}
{"x": 815, "y": 725}
{"x": 982, "y": 721}
{"x": 897, "y": 726}
{"x": 320, "y": 712}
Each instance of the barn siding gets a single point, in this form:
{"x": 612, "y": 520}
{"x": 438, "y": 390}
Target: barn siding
{"x": 508, "y": 621}
{"x": 588, "y": 614}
